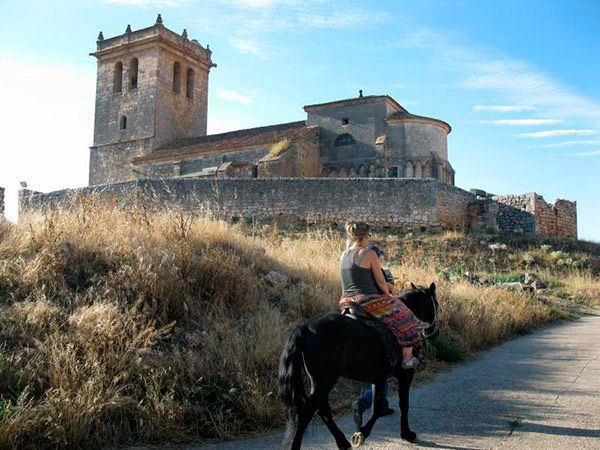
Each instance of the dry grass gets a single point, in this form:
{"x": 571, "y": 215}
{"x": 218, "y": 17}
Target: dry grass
{"x": 123, "y": 327}
{"x": 279, "y": 148}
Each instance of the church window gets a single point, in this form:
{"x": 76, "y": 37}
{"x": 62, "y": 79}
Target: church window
{"x": 123, "y": 123}
{"x": 345, "y": 121}
{"x": 344, "y": 139}
{"x": 176, "y": 77}
{"x": 393, "y": 172}
{"x": 189, "y": 87}
{"x": 118, "y": 77}
{"x": 133, "y": 73}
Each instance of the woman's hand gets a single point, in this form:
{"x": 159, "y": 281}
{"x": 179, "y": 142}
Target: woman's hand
{"x": 373, "y": 261}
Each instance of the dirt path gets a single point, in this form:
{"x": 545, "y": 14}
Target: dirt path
{"x": 538, "y": 391}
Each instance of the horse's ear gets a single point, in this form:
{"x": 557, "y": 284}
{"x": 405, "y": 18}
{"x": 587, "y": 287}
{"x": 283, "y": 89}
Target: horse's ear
{"x": 413, "y": 286}
{"x": 432, "y": 288}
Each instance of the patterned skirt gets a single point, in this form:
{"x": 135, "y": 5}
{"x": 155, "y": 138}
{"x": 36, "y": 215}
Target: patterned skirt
{"x": 392, "y": 312}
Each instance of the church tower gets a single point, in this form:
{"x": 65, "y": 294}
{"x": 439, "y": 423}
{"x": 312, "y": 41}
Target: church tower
{"x": 151, "y": 89}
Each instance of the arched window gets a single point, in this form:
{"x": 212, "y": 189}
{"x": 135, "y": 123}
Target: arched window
{"x": 344, "y": 139}
{"x": 118, "y": 77}
{"x": 418, "y": 170}
{"x": 189, "y": 86}
{"x": 372, "y": 173}
{"x": 409, "y": 170}
{"x": 176, "y": 77}
{"x": 133, "y": 73}
{"x": 123, "y": 123}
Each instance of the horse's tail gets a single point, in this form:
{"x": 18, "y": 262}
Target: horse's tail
{"x": 291, "y": 387}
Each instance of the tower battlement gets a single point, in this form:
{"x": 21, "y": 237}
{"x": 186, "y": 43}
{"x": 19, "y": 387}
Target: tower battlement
{"x": 151, "y": 89}
{"x": 150, "y": 35}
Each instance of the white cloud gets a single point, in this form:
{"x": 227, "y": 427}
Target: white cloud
{"x": 517, "y": 82}
{"x": 569, "y": 144}
{"x": 592, "y": 153}
{"x": 251, "y": 47}
{"x": 47, "y": 114}
{"x": 554, "y": 133}
{"x": 522, "y": 122}
{"x": 251, "y": 25}
{"x": 257, "y": 3}
{"x": 503, "y": 108}
{"x": 159, "y": 3}
{"x": 233, "y": 96}
{"x": 343, "y": 19}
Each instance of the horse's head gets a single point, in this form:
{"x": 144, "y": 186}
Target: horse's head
{"x": 425, "y": 307}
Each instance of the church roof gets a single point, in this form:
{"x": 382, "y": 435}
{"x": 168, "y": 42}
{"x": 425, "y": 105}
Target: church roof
{"x": 354, "y": 101}
{"x": 230, "y": 141}
{"x": 406, "y": 116}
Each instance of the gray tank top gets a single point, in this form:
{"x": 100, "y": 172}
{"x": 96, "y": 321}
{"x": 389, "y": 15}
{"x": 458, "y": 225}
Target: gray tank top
{"x": 356, "y": 280}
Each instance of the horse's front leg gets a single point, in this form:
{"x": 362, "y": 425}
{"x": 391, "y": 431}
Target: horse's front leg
{"x": 404, "y": 381}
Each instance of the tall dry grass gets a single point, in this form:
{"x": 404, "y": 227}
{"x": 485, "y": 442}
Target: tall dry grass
{"x": 119, "y": 327}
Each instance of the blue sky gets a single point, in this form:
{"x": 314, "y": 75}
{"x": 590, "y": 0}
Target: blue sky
{"x": 517, "y": 80}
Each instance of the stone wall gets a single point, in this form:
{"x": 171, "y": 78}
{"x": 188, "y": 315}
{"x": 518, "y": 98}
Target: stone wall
{"x": 1, "y": 202}
{"x": 453, "y": 206}
{"x": 516, "y": 213}
{"x": 408, "y": 203}
{"x": 558, "y": 219}
{"x": 417, "y": 204}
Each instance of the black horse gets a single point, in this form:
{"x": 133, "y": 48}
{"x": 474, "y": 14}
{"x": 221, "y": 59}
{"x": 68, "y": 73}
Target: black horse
{"x": 335, "y": 346}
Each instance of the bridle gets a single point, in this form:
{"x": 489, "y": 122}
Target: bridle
{"x": 424, "y": 325}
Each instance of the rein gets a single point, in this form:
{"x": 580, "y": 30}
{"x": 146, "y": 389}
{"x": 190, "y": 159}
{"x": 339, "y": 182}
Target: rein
{"x": 424, "y": 325}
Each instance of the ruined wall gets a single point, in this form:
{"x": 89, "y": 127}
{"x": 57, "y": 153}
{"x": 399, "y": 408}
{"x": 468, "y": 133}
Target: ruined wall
{"x": 516, "y": 213}
{"x": 1, "y": 203}
{"x": 453, "y": 206}
{"x": 558, "y": 219}
{"x": 406, "y": 203}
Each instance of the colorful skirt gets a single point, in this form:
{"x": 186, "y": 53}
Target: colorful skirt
{"x": 393, "y": 313}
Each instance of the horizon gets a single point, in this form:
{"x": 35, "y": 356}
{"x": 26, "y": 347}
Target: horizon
{"x": 525, "y": 117}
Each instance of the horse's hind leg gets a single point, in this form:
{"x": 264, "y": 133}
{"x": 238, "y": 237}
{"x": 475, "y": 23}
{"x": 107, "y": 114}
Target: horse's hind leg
{"x": 338, "y": 435}
{"x": 321, "y": 396}
{"x": 305, "y": 414}
{"x": 365, "y": 431}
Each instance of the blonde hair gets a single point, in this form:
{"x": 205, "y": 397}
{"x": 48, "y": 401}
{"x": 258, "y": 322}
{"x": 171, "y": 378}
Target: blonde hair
{"x": 356, "y": 231}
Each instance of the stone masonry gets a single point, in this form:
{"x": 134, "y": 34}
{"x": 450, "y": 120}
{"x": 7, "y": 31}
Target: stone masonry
{"x": 1, "y": 202}
{"x": 526, "y": 213}
{"x": 152, "y": 88}
{"x": 406, "y": 203}
{"x": 365, "y": 158}
{"x": 415, "y": 204}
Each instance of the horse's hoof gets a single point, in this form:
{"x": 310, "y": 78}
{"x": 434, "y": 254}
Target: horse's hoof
{"x": 409, "y": 436}
{"x": 358, "y": 439}
{"x": 344, "y": 445}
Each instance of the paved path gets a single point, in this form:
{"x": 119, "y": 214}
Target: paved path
{"x": 538, "y": 391}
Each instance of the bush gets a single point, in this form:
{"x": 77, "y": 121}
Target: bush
{"x": 122, "y": 327}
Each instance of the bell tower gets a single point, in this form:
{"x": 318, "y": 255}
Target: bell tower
{"x": 151, "y": 88}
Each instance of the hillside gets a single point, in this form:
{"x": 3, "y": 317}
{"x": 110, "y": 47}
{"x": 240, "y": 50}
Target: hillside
{"x": 126, "y": 327}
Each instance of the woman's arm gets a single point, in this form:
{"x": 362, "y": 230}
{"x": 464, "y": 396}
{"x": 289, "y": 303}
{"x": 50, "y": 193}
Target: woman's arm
{"x": 377, "y": 273}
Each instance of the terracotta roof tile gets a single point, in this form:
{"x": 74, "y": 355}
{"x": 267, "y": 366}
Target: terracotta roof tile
{"x": 230, "y": 141}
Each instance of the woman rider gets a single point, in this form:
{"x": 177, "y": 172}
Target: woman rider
{"x": 363, "y": 283}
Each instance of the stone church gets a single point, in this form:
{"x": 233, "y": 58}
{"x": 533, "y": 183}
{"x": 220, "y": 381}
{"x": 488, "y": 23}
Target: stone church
{"x": 151, "y": 115}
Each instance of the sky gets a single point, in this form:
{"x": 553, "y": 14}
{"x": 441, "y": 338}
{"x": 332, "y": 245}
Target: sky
{"x": 517, "y": 80}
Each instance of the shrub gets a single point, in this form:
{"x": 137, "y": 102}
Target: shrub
{"x": 121, "y": 327}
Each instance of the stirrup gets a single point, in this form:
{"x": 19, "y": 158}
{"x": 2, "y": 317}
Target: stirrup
{"x": 411, "y": 363}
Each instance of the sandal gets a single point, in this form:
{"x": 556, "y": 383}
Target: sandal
{"x": 411, "y": 363}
